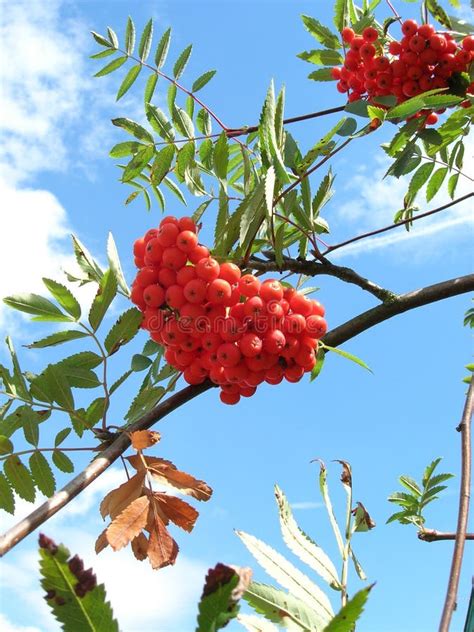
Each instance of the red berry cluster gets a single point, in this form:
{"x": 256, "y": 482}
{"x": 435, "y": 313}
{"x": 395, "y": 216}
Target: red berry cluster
{"x": 422, "y": 60}
{"x": 215, "y": 322}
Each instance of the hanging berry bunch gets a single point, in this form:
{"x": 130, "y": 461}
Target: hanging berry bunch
{"x": 422, "y": 60}
{"x": 215, "y": 322}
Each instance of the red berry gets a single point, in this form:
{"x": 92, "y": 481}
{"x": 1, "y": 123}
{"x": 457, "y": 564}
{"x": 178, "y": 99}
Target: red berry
{"x": 211, "y": 341}
{"x": 370, "y": 34}
{"x": 432, "y": 119}
{"x": 166, "y": 277}
{"x": 316, "y": 326}
{"x": 229, "y": 398}
{"x": 154, "y": 295}
{"x": 150, "y": 234}
{"x": 274, "y": 342}
{"x": 250, "y": 345}
{"x": 207, "y": 269}
{"x": 253, "y": 307}
{"x": 153, "y": 251}
{"x": 382, "y": 63}
{"x": 409, "y": 27}
{"x": 230, "y": 272}
{"x": 347, "y": 34}
{"x": 271, "y": 290}
{"x": 136, "y": 296}
{"x": 200, "y": 252}
{"x": 249, "y": 285}
{"x": 219, "y": 291}
{"x": 139, "y": 247}
{"x": 167, "y": 234}
{"x": 186, "y": 241}
{"x": 437, "y": 42}
{"x": 301, "y": 304}
{"x": 468, "y": 43}
{"x": 228, "y": 354}
{"x": 174, "y": 258}
{"x": 410, "y": 88}
{"x": 186, "y": 223}
{"x": 186, "y": 274}
{"x": 174, "y": 296}
{"x": 417, "y": 43}
{"x": 146, "y": 276}
{"x": 336, "y": 72}
{"x": 426, "y": 30}
{"x": 294, "y": 324}
{"x": 395, "y": 48}
{"x": 367, "y": 51}
{"x": 195, "y": 291}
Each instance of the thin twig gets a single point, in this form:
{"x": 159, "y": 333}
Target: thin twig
{"x": 58, "y": 449}
{"x": 337, "y": 336}
{"x": 463, "y": 513}
{"x": 431, "y": 535}
{"x": 392, "y": 226}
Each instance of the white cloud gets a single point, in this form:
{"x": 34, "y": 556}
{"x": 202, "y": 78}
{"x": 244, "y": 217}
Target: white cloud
{"x": 7, "y": 626}
{"x": 306, "y": 504}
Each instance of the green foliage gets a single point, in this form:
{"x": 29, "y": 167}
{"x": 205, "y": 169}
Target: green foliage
{"x": 417, "y": 496}
{"x": 346, "y": 618}
{"x": 72, "y": 593}
{"x": 218, "y": 604}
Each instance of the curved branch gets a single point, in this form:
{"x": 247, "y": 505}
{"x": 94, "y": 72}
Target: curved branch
{"x": 315, "y": 268}
{"x": 337, "y": 336}
{"x": 431, "y": 535}
{"x": 464, "y": 497}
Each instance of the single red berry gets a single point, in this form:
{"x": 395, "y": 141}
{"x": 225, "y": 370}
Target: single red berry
{"x": 174, "y": 296}
{"x": 150, "y": 234}
{"x": 395, "y": 48}
{"x": 316, "y": 326}
{"x": 207, "y": 269}
{"x": 229, "y": 398}
{"x": 139, "y": 247}
{"x": 468, "y": 43}
{"x": 136, "y": 296}
{"x": 347, "y": 34}
{"x": 250, "y": 345}
{"x": 169, "y": 219}
{"x": 317, "y": 308}
{"x": 200, "y": 252}
{"x": 185, "y": 274}
{"x": 426, "y": 30}
{"x": 186, "y": 240}
{"x": 301, "y": 304}
{"x": 336, "y": 72}
{"x": 271, "y": 290}
{"x": 228, "y": 354}
{"x": 146, "y": 276}
{"x": 294, "y": 373}
{"x": 274, "y": 342}
{"x": 219, "y": 291}
{"x": 249, "y": 285}
{"x": 417, "y": 43}
{"x": 410, "y": 88}
{"x": 370, "y": 34}
{"x": 432, "y": 119}
{"x": 357, "y": 42}
{"x": 186, "y": 223}
{"x": 231, "y": 329}
{"x": 191, "y": 378}
{"x": 409, "y": 27}
{"x": 173, "y": 258}
{"x": 211, "y": 341}
{"x": 247, "y": 391}
{"x": 229, "y": 272}
{"x": 437, "y": 42}
{"x": 414, "y": 72}
{"x": 195, "y": 291}
{"x": 153, "y": 251}
{"x": 367, "y": 51}
{"x": 167, "y": 234}
{"x": 253, "y": 307}
{"x": 294, "y": 324}
{"x": 382, "y": 64}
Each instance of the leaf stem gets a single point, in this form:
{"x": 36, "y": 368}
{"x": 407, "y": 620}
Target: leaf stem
{"x": 2, "y": 458}
{"x": 104, "y": 373}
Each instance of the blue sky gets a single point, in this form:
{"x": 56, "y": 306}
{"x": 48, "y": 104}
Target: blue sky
{"x": 56, "y": 178}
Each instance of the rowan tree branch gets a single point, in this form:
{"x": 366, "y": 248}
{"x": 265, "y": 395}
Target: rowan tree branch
{"x": 337, "y": 336}
{"x": 316, "y": 268}
{"x": 463, "y": 512}
{"x": 431, "y": 535}
{"x": 402, "y": 223}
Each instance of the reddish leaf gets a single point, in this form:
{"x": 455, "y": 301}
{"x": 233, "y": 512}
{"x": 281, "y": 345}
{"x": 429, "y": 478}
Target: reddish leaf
{"x": 142, "y": 439}
{"x": 177, "y": 511}
{"x": 116, "y": 500}
{"x": 140, "y": 546}
{"x": 101, "y": 543}
{"x": 162, "y": 549}
{"x": 128, "y": 524}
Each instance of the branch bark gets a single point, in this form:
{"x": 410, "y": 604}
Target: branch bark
{"x": 431, "y": 535}
{"x": 337, "y": 336}
{"x": 463, "y": 513}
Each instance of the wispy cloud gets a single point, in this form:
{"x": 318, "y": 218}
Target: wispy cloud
{"x": 306, "y": 504}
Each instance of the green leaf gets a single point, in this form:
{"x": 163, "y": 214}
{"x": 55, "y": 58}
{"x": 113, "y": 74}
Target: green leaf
{"x": 86, "y": 261}
{"x": 139, "y": 161}
{"x": 124, "y": 330}
{"x": 321, "y": 32}
{"x": 349, "y": 356}
{"x": 6, "y": 446}
{"x": 160, "y": 123}
{"x": 58, "y": 387}
{"x": 88, "y": 612}
{"x": 438, "y": 13}
{"x": 130, "y": 36}
{"x": 120, "y": 381}
{"x": 140, "y": 362}
{"x": 145, "y": 41}
{"x": 288, "y": 576}
{"x": 42, "y": 474}
{"x": 320, "y": 357}
{"x": 104, "y": 297}
{"x": 419, "y": 179}
{"x": 249, "y": 214}
{"x": 103, "y": 53}
{"x": 101, "y": 40}
{"x": 82, "y": 360}
{"x": 113, "y": 65}
{"x": 185, "y": 157}
{"x": 322, "y": 57}
{"x": 61, "y": 436}
{"x": 174, "y": 189}
{"x": 7, "y": 499}
{"x": 19, "y": 478}
{"x": 62, "y": 462}
{"x": 162, "y": 49}
{"x": 217, "y": 605}
{"x": 183, "y": 122}
{"x": 410, "y": 484}
{"x": 81, "y": 378}
{"x": 279, "y": 606}
{"x": 221, "y": 156}
{"x": 268, "y": 138}
{"x": 57, "y": 339}
{"x": 203, "y": 122}
{"x": 435, "y": 183}
{"x": 64, "y": 297}
{"x": 115, "y": 265}
{"x": 17, "y": 379}
{"x": 439, "y": 478}
{"x": 346, "y": 618}
{"x": 203, "y": 80}
{"x": 40, "y": 307}
{"x": 113, "y": 37}
{"x": 150, "y": 88}
{"x": 302, "y": 545}
{"x": 429, "y": 470}
{"x": 30, "y": 426}
{"x": 95, "y": 411}
{"x": 134, "y": 129}
{"x": 181, "y": 62}
{"x": 128, "y": 81}
{"x": 144, "y": 402}
{"x": 162, "y": 164}
{"x": 322, "y": 74}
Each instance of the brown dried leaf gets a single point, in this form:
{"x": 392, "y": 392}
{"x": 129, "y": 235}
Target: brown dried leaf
{"x": 138, "y": 461}
{"x": 162, "y": 549}
{"x": 142, "y": 439}
{"x": 128, "y": 524}
{"x": 116, "y": 500}
{"x": 346, "y": 474}
{"x": 140, "y": 546}
{"x": 216, "y": 577}
{"x": 362, "y": 518}
{"x": 245, "y": 577}
{"x": 178, "y": 511}
{"x": 101, "y": 543}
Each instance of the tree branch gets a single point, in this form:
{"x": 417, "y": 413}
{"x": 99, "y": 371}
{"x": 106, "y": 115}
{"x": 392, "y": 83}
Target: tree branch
{"x": 337, "y": 336}
{"x": 463, "y": 513}
{"x": 431, "y": 535}
{"x": 316, "y": 268}
{"x": 402, "y": 223}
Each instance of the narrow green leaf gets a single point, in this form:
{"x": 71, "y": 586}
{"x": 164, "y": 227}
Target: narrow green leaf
{"x": 183, "y": 122}
{"x": 95, "y": 411}
{"x": 144, "y": 402}
{"x": 322, "y": 57}
{"x": 81, "y": 378}
{"x": 103, "y": 53}
{"x": 58, "y": 386}
{"x": 130, "y": 36}
{"x": 145, "y": 41}
{"x": 100, "y": 39}
{"x": 113, "y": 37}
{"x": 113, "y": 65}
{"x": 160, "y": 123}
{"x": 40, "y": 307}
{"x": 57, "y": 339}
{"x": 175, "y": 190}
{"x": 435, "y": 183}
{"x": 322, "y": 74}
{"x": 203, "y": 122}
{"x": 104, "y": 297}
{"x": 162, "y": 164}
{"x": 410, "y": 484}
{"x": 42, "y": 474}
{"x": 134, "y": 129}
{"x": 115, "y": 265}
{"x": 6, "y": 446}
{"x": 150, "y": 88}
{"x": 17, "y": 378}
{"x": 182, "y": 61}
{"x": 438, "y": 13}
{"x": 7, "y": 499}
{"x": 128, "y": 81}
{"x": 125, "y": 328}
{"x": 82, "y": 360}
{"x": 162, "y": 49}
{"x": 419, "y": 179}
{"x": 19, "y": 478}
{"x": 349, "y": 356}
{"x": 321, "y": 32}
{"x": 346, "y": 618}
{"x": 61, "y": 436}
{"x": 203, "y": 80}
{"x": 221, "y": 156}
{"x": 138, "y": 163}
{"x": 30, "y": 427}
{"x": 120, "y": 381}
{"x": 64, "y": 297}
{"x": 62, "y": 462}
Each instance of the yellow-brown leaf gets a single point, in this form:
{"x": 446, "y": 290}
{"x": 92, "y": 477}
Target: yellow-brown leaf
{"x": 101, "y": 543}
{"x": 140, "y": 546}
{"x": 185, "y": 483}
{"x": 162, "y": 549}
{"x": 142, "y": 439}
{"x": 128, "y": 524}
{"x": 178, "y": 511}
{"x": 116, "y": 500}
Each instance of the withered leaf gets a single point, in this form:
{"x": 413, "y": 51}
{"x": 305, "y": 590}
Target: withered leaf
{"x": 142, "y": 439}
{"x": 140, "y": 546}
{"x": 166, "y": 473}
{"x": 245, "y": 577}
{"x": 362, "y": 519}
{"x": 116, "y": 500}
{"x": 162, "y": 549}
{"x": 216, "y": 577}
{"x": 346, "y": 474}
{"x": 101, "y": 543}
{"x": 178, "y": 511}
{"x": 128, "y": 524}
